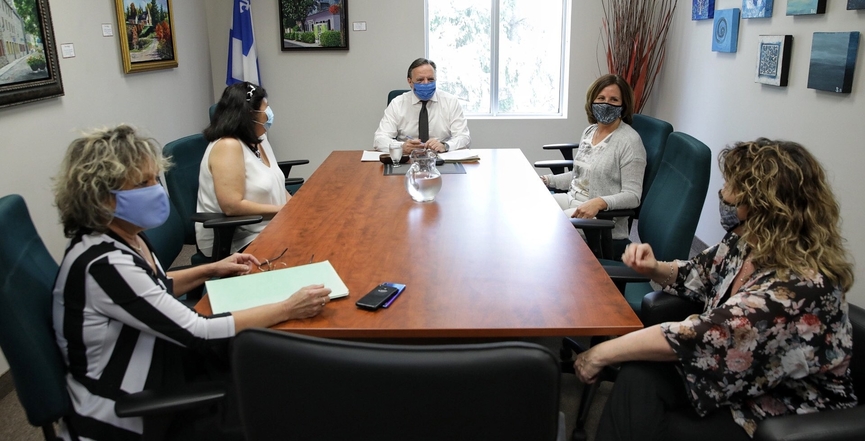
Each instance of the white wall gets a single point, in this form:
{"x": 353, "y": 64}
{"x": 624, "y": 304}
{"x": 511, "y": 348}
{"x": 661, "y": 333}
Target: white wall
{"x": 713, "y": 97}
{"x": 167, "y": 104}
{"x": 333, "y": 100}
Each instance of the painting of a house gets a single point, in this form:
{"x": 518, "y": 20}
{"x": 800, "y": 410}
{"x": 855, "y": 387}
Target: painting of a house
{"x": 313, "y": 24}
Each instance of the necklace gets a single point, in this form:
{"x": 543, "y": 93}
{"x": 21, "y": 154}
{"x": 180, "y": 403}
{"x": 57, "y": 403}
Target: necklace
{"x": 255, "y": 151}
{"x": 746, "y": 271}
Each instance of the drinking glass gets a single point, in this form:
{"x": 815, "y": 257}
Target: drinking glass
{"x": 395, "y": 152}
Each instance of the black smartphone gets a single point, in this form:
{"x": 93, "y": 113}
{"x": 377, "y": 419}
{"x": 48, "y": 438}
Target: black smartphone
{"x": 377, "y": 297}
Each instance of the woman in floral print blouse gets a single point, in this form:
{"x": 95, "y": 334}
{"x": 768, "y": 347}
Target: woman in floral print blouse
{"x": 773, "y": 338}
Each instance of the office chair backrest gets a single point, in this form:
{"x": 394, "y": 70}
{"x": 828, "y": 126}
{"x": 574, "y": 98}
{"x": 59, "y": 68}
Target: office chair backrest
{"x": 671, "y": 211}
{"x": 27, "y": 274}
{"x": 167, "y": 239}
{"x": 182, "y": 178}
{"x": 321, "y": 389}
{"x": 395, "y": 93}
{"x": 654, "y": 133}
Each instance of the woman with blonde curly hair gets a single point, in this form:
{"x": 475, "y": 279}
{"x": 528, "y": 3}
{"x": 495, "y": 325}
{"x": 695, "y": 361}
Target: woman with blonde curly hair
{"x": 774, "y": 337}
{"x": 116, "y": 320}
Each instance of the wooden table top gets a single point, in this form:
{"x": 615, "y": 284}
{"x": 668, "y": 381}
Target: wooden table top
{"x": 492, "y": 257}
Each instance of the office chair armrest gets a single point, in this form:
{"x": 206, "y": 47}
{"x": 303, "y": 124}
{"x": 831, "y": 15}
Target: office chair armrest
{"x": 149, "y": 403}
{"x": 593, "y": 224}
{"x": 624, "y": 274}
{"x": 286, "y": 166}
{"x": 828, "y": 425}
{"x": 293, "y": 181}
{"x": 563, "y": 146}
{"x": 219, "y": 220}
{"x": 610, "y": 214}
{"x": 660, "y": 307}
{"x": 557, "y": 166}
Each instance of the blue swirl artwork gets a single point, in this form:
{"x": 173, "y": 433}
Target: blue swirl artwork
{"x": 725, "y": 32}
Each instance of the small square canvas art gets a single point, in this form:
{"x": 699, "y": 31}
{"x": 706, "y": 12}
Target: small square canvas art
{"x": 833, "y": 60}
{"x": 702, "y": 9}
{"x": 725, "y": 32}
{"x": 757, "y": 8}
{"x": 773, "y": 59}
{"x": 855, "y": 4}
{"x": 806, "y": 7}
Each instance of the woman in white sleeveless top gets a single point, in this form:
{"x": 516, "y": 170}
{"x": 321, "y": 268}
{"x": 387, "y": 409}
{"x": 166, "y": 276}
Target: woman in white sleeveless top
{"x": 239, "y": 174}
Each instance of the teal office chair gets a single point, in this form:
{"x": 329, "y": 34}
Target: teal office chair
{"x": 292, "y": 185}
{"x": 654, "y": 134}
{"x": 27, "y": 274}
{"x": 182, "y": 183}
{"x": 492, "y": 391}
{"x": 670, "y": 212}
{"x": 395, "y": 93}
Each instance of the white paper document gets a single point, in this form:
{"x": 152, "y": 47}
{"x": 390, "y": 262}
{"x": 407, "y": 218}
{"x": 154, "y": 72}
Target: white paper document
{"x": 371, "y": 156}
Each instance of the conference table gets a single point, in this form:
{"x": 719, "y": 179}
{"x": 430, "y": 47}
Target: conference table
{"x": 493, "y": 257}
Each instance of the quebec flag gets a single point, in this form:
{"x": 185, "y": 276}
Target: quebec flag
{"x": 242, "y": 58}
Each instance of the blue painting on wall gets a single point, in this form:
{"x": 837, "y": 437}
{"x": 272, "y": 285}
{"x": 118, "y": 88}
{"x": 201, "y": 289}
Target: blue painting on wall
{"x": 806, "y": 7}
{"x": 773, "y": 60}
{"x": 855, "y": 4}
{"x": 757, "y": 8}
{"x": 833, "y": 60}
{"x": 725, "y": 32}
{"x": 702, "y": 9}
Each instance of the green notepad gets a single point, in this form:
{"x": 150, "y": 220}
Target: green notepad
{"x": 242, "y": 292}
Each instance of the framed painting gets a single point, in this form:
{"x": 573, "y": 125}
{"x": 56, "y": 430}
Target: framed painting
{"x": 773, "y": 59}
{"x": 725, "y": 32}
{"x": 806, "y": 7}
{"x": 855, "y": 4}
{"x": 757, "y": 8}
{"x": 702, "y": 9}
{"x": 313, "y": 25}
{"x": 833, "y": 60}
{"x": 28, "y": 56}
{"x": 146, "y": 31}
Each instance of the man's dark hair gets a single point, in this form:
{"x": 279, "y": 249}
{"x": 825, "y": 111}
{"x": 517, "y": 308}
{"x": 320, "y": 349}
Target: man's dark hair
{"x": 418, "y": 63}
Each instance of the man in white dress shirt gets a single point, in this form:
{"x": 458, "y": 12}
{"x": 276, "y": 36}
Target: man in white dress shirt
{"x": 446, "y": 128}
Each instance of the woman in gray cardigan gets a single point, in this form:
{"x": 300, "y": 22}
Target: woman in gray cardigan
{"x": 610, "y": 162}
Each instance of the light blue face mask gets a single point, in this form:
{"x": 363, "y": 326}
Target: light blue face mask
{"x": 143, "y": 207}
{"x": 426, "y": 91}
{"x": 267, "y": 124}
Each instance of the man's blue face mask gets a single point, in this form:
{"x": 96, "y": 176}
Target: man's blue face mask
{"x": 426, "y": 91}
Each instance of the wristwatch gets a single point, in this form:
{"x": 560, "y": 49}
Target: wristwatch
{"x": 447, "y": 146}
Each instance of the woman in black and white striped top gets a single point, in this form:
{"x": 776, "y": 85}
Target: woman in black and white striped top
{"x": 118, "y": 324}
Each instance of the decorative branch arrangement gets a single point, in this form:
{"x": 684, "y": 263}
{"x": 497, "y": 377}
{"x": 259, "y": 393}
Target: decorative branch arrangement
{"x": 635, "y": 33}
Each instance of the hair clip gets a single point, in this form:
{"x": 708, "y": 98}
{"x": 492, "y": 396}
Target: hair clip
{"x": 251, "y": 89}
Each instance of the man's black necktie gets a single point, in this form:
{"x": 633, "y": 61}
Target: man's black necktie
{"x": 423, "y": 123}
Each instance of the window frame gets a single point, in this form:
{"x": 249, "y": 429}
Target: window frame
{"x": 564, "y": 68}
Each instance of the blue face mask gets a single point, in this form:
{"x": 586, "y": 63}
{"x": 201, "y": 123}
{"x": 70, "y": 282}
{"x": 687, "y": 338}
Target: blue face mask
{"x": 729, "y": 214}
{"x": 606, "y": 113}
{"x": 426, "y": 91}
{"x": 143, "y": 207}
{"x": 267, "y": 124}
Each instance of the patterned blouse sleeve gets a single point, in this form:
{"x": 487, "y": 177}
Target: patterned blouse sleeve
{"x": 769, "y": 331}
{"x": 694, "y": 281}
